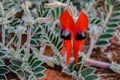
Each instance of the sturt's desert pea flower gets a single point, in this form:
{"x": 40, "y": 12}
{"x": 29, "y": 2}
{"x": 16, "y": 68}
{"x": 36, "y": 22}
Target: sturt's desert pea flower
{"x": 73, "y": 34}
{"x": 66, "y": 33}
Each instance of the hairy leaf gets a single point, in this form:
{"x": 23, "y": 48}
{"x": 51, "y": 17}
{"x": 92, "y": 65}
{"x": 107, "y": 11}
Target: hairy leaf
{"x": 92, "y": 77}
{"x": 87, "y": 71}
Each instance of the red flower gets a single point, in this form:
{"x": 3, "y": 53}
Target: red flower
{"x": 73, "y": 34}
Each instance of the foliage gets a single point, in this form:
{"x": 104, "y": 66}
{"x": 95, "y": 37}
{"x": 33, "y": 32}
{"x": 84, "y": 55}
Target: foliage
{"x": 104, "y": 21}
{"x": 15, "y": 61}
{"x": 27, "y": 27}
{"x": 27, "y": 69}
{"x": 3, "y": 68}
{"x": 110, "y": 22}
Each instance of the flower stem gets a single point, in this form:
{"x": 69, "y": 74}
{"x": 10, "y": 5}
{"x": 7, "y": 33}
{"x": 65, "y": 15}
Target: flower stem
{"x": 97, "y": 63}
{"x": 3, "y": 36}
{"x": 28, "y": 42}
{"x": 18, "y": 44}
{"x": 92, "y": 42}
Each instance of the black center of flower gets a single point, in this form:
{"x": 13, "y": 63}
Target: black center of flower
{"x": 65, "y": 34}
{"x": 81, "y": 35}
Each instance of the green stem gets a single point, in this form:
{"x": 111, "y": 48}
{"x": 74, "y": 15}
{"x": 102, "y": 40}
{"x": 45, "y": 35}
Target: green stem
{"x": 97, "y": 63}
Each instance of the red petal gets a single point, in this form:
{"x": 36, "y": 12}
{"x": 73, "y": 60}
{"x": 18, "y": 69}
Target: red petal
{"x": 78, "y": 45}
{"x": 68, "y": 51}
{"x": 67, "y": 48}
{"x": 66, "y": 20}
{"x": 82, "y": 22}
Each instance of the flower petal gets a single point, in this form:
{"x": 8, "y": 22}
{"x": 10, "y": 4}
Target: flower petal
{"x": 78, "y": 45}
{"x": 66, "y": 20}
{"x": 82, "y": 22}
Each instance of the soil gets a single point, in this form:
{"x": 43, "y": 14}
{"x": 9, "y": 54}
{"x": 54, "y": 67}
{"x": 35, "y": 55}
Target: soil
{"x": 52, "y": 74}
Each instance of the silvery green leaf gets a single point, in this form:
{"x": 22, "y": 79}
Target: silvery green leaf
{"x": 115, "y": 67}
{"x": 11, "y": 13}
{"x": 42, "y": 20}
{"x": 13, "y": 68}
{"x": 40, "y": 75}
{"x": 20, "y": 74}
{"x": 116, "y": 14}
{"x": 102, "y": 43}
{"x": 31, "y": 77}
{"x": 71, "y": 65}
{"x": 77, "y": 69}
{"x": 110, "y": 31}
{"x": 105, "y": 36}
{"x": 39, "y": 69}
{"x": 87, "y": 71}
{"x": 20, "y": 29}
{"x": 92, "y": 77}
{"x": 67, "y": 71}
{"x": 34, "y": 59}
{"x": 2, "y": 9}
{"x": 28, "y": 20}
{"x": 50, "y": 63}
{"x": 32, "y": 56}
{"x": 114, "y": 20}
{"x": 36, "y": 64}
{"x": 2, "y": 54}
{"x": 25, "y": 7}
{"x": 80, "y": 77}
{"x": 112, "y": 26}
{"x": 33, "y": 43}
{"x": 15, "y": 62}
{"x": 74, "y": 73}
{"x": 1, "y": 63}
{"x": 107, "y": 7}
{"x": 3, "y": 77}
{"x": 54, "y": 4}
{"x": 3, "y": 70}
{"x": 0, "y": 45}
